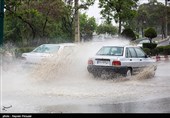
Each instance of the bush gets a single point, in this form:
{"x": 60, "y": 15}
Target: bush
{"x": 147, "y": 51}
{"x": 149, "y": 45}
{"x": 162, "y": 50}
{"x": 128, "y": 33}
{"x": 150, "y": 33}
{"x": 154, "y": 52}
{"x": 166, "y": 50}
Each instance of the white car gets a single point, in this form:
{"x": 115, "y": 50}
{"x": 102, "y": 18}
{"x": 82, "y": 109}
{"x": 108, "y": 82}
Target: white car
{"x": 140, "y": 44}
{"x": 124, "y": 60}
{"x": 44, "y": 51}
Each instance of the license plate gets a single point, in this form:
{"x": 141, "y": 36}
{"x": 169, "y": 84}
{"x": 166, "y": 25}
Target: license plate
{"x": 103, "y": 62}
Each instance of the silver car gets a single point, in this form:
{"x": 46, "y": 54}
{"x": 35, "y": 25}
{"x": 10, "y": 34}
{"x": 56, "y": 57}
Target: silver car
{"x": 124, "y": 60}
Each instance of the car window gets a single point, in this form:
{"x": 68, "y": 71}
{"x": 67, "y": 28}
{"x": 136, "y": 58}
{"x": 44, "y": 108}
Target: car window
{"x": 128, "y": 55}
{"x": 46, "y": 49}
{"x": 111, "y": 51}
{"x": 144, "y": 41}
{"x": 140, "y": 53}
{"x": 132, "y": 52}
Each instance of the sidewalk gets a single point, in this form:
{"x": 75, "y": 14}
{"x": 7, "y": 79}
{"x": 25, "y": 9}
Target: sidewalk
{"x": 159, "y": 40}
{"x": 162, "y": 40}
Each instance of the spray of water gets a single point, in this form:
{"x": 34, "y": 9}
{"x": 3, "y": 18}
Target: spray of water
{"x": 64, "y": 74}
{"x": 71, "y": 64}
{"x": 146, "y": 73}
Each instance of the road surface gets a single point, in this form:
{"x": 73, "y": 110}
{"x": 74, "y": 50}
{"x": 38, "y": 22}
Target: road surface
{"x": 81, "y": 93}
{"x": 164, "y": 43}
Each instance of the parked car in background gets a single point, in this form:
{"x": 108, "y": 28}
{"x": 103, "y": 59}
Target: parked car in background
{"x": 124, "y": 60}
{"x": 140, "y": 44}
{"x": 145, "y": 40}
{"x": 45, "y": 51}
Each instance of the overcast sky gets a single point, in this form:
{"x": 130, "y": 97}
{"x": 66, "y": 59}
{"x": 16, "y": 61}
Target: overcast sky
{"x": 95, "y": 11}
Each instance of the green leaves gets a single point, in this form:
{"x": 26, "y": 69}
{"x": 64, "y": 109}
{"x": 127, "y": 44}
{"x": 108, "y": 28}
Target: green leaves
{"x": 87, "y": 26}
{"x": 150, "y": 33}
{"x": 106, "y": 28}
{"x": 119, "y": 10}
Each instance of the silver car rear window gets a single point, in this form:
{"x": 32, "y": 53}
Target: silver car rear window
{"x": 111, "y": 51}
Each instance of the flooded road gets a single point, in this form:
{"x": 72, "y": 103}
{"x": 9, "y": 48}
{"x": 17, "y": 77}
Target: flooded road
{"x": 76, "y": 91}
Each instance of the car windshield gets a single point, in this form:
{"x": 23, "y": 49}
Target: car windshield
{"x": 47, "y": 49}
{"x": 111, "y": 51}
{"x": 144, "y": 41}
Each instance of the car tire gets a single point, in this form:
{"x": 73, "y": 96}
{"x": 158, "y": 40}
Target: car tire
{"x": 128, "y": 74}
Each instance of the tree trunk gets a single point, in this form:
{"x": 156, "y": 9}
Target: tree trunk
{"x": 120, "y": 25}
{"x": 77, "y": 29}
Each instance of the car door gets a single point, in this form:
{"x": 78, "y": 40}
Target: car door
{"x": 132, "y": 59}
{"x": 141, "y": 56}
{"x": 143, "y": 59}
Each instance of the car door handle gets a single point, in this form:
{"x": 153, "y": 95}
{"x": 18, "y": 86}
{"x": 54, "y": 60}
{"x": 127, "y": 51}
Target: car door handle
{"x": 140, "y": 59}
{"x": 130, "y": 59}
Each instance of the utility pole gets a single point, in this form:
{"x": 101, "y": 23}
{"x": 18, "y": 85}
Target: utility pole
{"x": 1, "y": 21}
{"x": 77, "y": 25}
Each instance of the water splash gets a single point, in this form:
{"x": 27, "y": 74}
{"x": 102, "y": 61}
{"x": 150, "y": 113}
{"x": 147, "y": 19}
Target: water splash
{"x": 71, "y": 64}
{"x": 66, "y": 75}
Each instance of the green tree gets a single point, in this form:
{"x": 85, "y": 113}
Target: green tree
{"x": 119, "y": 10}
{"x": 153, "y": 14}
{"x": 34, "y": 19}
{"x": 150, "y": 33}
{"x": 31, "y": 22}
{"x": 106, "y": 28}
{"x": 87, "y": 27}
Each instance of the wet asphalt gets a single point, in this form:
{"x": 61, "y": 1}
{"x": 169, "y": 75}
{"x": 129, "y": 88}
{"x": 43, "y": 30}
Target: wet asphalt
{"x": 21, "y": 95}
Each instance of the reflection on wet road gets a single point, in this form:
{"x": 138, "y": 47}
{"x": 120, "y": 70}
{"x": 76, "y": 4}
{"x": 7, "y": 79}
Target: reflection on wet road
{"x": 149, "y": 106}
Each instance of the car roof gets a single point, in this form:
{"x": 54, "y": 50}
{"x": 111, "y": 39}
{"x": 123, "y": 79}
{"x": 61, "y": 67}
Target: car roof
{"x": 61, "y": 44}
{"x": 120, "y": 46}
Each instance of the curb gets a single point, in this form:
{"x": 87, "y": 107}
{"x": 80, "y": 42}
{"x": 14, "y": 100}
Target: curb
{"x": 166, "y": 39}
{"x": 161, "y": 57}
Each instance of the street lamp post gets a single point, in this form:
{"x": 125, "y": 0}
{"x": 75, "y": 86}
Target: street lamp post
{"x": 1, "y": 21}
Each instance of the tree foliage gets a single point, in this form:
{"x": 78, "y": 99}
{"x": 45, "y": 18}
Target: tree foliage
{"x": 150, "y": 33}
{"x": 87, "y": 27}
{"x": 153, "y": 14}
{"x": 31, "y": 22}
{"x": 106, "y": 28}
{"x": 119, "y": 10}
